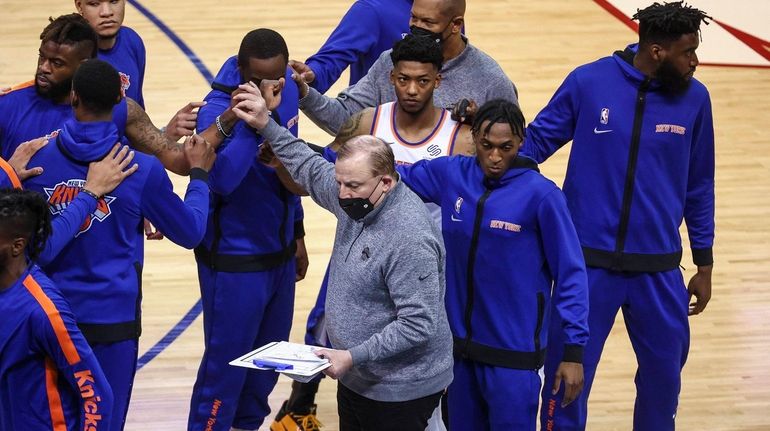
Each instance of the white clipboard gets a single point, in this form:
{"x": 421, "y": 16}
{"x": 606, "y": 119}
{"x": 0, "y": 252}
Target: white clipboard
{"x": 304, "y": 364}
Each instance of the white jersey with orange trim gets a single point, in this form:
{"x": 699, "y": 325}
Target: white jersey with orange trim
{"x": 440, "y": 142}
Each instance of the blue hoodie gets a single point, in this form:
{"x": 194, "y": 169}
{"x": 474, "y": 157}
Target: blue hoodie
{"x": 253, "y": 218}
{"x": 642, "y": 160}
{"x": 508, "y": 243}
{"x": 100, "y": 270}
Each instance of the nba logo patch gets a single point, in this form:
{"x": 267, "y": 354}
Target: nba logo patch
{"x": 604, "y": 117}
{"x": 458, "y": 205}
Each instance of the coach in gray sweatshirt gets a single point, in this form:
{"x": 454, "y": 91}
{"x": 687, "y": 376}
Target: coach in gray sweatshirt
{"x": 385, "y": 304}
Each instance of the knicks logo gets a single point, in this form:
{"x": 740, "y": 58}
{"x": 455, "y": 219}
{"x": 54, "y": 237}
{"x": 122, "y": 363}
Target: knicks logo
{"x": 62, "y": 194}
{"x": 125, "y": 83}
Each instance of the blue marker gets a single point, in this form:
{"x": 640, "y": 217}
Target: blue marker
{"x": 262, "y": 363}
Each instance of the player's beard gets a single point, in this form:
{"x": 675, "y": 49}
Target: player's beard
{"x": 56, "y": 92}
{"x": 671, "y": 79}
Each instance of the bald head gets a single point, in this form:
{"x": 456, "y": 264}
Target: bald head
{"x": 447, "y": 8}
{"x": 373, "y": 151}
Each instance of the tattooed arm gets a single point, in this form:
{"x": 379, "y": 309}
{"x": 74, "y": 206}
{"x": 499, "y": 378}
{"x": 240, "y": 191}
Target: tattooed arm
{"x": 358, "y": 124}
{"x": 145, "y": 137}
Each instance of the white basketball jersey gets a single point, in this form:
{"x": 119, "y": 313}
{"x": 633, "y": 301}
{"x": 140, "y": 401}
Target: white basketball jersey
{"x": 438, "y": 143}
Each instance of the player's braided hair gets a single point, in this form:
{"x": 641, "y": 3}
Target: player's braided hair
{"x": 70, "y": 29}
{"x": 419, "y": 49}
{"x": 499, "y": 111}
{"x": 24, "y": 213}
{"x": 667, "y": 22}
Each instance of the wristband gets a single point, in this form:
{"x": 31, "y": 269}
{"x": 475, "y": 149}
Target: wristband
{"x": 90, "y": 193}
{"x": 221, "y": 129}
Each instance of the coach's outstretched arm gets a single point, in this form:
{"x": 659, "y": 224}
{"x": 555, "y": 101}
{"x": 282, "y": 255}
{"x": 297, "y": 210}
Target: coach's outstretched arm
{"x": 307, "y": 168}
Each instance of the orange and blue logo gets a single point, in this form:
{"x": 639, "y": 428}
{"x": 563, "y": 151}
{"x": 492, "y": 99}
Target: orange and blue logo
{"x": 63, "y": 193}
{"x": 125, "y": 83}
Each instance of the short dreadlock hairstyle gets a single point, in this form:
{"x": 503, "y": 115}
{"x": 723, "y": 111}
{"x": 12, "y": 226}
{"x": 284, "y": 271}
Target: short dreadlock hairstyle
{"x": 24, "y": 214}
{"x": 419, "y": 49}
{"x": 665, "y": 23}
{"x": 499, "y": 111}
{"x": 70, "y": 29}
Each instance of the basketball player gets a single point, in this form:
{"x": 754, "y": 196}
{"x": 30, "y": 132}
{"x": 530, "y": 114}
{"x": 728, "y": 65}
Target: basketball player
{"x": 246, "y": 263}
{"x": 100, "y": 270}
{"x": 442, "y": 21}
{"x": 513, "y": 259}
{"x": 49, "y": 377}
{"x": 641, "y": 116}
{"x": 40, "y": 107}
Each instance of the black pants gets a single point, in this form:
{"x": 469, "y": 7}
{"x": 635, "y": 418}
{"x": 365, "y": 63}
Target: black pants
{"x": 359, "y": 413}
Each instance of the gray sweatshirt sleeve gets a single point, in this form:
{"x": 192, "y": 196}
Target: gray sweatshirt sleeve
{"x": 414, "y": 282}
{"x": 306, "y": 167}
{"x": 331, "y": 113}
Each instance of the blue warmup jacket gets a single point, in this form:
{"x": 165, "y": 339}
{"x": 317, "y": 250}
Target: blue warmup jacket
{"x": 128, "y": 57}
{"x": 49, "y": 377}
{"x": 25, "y": 116}
{"x": 369, "y": 28}
{"x": 508, "y": 243}
{"x": 100, "y": 270}
{"x": 253, "y": 219}
{"x": 641, "y": 161}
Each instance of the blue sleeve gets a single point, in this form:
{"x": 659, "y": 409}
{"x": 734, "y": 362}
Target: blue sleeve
{"x": 554, "y": 126}
{"x": 699, "y": 203}
{"x": 425, "y": 177}
{"x": 66, "y": 226}
{"x": 236, "y": 154}
{"x": 141, "y": 60}
{"x": 183, "y": 222}
{"x": 85, "y": 376}
{"x": 356, "y": 34}
{"x": 567, "y": 266}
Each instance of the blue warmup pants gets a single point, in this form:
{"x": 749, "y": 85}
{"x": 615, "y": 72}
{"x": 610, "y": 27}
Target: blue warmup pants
{"x": 485, "y": 397}
{"x": 118, "y": 362}
{"x": 654, "y": 309}
{"x": 241, "y": 311}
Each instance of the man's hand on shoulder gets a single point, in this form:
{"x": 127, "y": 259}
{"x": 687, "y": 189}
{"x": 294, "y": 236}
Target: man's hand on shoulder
{"x": 24, "y": 152}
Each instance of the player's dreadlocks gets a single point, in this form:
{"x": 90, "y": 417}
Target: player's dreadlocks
{"x": 664, "y": 23}
{"x": 499, "y": 111}
{"x": 24, "y": 213}
{"x": 70, "y": 29}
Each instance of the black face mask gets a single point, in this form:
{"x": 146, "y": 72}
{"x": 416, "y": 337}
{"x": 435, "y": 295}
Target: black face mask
{"x": 421, "y": 32}
{"x": 358, "y": 208}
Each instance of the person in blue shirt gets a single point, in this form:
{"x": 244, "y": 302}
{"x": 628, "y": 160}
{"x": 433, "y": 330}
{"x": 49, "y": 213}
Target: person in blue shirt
{"x": 642, "y": 161}
{"x": 100, "y": 270}
{"x": 118, "y": 45}
{"x": 368, "y": 28}
{"x": 40, "y": 107}
{"x": 49, "y": 377}
{"x": 509, "y": 268}
{"x": 246, "y": 263}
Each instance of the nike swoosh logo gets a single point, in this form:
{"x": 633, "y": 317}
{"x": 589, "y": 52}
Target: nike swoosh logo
{"x": 455, "y": 218}
{"x": 423, "y": 277}
{"x": 599, "y": 132}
